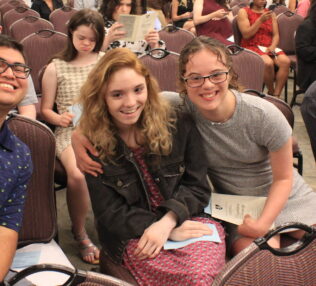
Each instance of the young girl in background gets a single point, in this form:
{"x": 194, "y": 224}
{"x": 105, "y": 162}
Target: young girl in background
{"x": 62, "y": 80}
{"x": 154, "y": 186}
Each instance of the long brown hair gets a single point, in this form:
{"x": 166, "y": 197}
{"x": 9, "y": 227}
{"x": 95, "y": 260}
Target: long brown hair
{"x": 96, "y": 122}
{"x": 88, "y": 18}
{"x": 214, "y": 46}
{"x": 108, "y": 7}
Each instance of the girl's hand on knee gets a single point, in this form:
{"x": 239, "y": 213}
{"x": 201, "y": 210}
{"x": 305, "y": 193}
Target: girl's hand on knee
{"x": 152, "y": 241}
{"x": 155, "y": 236}
{"x": 189, "y": 229}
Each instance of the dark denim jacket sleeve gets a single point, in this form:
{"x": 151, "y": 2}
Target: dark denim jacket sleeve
{"x": 118, "y": 212}
{"x": 191, "y": 195}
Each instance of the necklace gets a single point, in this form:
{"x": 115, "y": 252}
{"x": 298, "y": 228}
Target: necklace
{"x": 219, "y": 122}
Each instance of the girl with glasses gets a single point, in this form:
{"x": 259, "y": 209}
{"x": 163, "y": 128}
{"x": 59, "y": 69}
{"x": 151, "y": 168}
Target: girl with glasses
{"x": 154, "y": 186}
{"x": 62, "y": 81}
{"x": 248, "y": 142}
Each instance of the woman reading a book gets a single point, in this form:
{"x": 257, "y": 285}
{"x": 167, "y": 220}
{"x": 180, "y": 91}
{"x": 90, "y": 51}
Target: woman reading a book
{"x": 153, "y": 187}
{"x": 114, "y": 31}
{"x": 260, "y": 34}
{"x": 247, "y": 142}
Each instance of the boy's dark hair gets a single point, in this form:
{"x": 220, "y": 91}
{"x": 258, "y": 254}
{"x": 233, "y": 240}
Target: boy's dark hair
{"x": 6, "y": 41}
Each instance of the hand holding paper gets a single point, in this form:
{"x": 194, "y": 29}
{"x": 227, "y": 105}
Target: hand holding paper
{"x": 252, "y": 227}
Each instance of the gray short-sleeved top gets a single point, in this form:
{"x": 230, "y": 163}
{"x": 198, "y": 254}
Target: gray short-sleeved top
{"x": 237, "y": 150}
{"x": 237, "y": 154}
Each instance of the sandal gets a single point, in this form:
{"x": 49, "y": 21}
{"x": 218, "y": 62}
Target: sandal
{"x": 86, "y": 248}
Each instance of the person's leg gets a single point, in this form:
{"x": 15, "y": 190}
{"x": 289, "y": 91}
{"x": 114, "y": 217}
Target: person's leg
{"x": 268, "y": 73}
{"x": 283, "y": 63}
{"x": 78, "y": 204}
{"x": 308, "y": 110}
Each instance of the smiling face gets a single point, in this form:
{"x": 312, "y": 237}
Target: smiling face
{"x": 208, "y": 98}
{"x": 124, "y": 7}
{"x": 125, "y": 97}
{"x": 84, "y": 39}
{"x": 12, "y": 89}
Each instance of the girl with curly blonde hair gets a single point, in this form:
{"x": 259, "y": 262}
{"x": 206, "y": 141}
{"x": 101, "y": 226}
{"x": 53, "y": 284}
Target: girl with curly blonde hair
{"x": 153, "y": 127}
{"x": 153, "y": 187}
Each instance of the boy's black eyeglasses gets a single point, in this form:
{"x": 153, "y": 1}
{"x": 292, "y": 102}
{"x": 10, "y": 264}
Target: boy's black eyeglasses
{"x": 19, "y": 70}
{"x": 198, "y": 80}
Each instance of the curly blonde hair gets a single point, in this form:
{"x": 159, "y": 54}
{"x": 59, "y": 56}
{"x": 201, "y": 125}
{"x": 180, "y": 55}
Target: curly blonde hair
{"x": 96, "y": 123}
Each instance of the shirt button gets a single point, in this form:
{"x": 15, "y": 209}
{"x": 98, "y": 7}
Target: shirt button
{"x": 119, "y": 183}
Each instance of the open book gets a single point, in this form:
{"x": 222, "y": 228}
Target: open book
{"x": 233, "y": 208}
{"x": 137, "y": 26}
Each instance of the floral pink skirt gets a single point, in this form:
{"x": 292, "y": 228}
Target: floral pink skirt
{"x": 195, "y": 264}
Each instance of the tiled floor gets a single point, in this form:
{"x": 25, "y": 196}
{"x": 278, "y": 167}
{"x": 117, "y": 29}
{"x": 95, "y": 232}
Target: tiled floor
{"x": 69, "y": 246}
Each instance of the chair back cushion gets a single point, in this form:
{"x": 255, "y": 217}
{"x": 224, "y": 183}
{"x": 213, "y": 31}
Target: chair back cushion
{"x": 288, "y": 23}
{"x": 249, "y": 67}
{"x": 165, "y": 70}
{"x": 258, "y": 265}
{"x": 175, "y": 38}
{"x": 60, "y": 18}
{"x": 28, "y": 25}
{"x": 15, "y": 14}
{"x": 39, "y": 48}
{"x": 39, "y": 220}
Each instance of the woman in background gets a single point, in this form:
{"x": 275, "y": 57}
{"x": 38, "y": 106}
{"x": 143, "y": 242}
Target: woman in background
{"x": 260, "y": 34}
{"x": 182, "y": 15}
{"x": 213, "y": 18}
{"x": 114, "y": 31}
{"x": 45, "y": 7}
{"x": 61, "y": 82}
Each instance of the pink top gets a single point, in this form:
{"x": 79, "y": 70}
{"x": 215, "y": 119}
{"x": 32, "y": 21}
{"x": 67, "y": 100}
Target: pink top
{"x": 302, "y": 7}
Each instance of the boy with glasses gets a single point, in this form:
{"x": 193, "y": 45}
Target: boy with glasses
{"x": 15, "y": 157}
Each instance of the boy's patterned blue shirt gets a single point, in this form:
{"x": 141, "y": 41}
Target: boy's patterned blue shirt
{"x": 15, "y": 171}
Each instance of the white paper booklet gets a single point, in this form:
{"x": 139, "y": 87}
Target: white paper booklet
{"x": 264, "y": 49}
{"x": 137, "y": 26}
{"x": 233, "y": 208}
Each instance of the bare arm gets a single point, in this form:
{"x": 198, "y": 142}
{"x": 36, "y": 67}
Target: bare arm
{"x": 292, "y": 5}
{"x": 174, "y": 12}
{"x": 81, "y": 146}
{"x": 244, "y": 26}
{"x": 155, "y": 236}
{"x": 8, "y": 242}
{"x": 114, "y": 33}
{"x": 275, "y": 34}
{"x": 28, "y": 111}
{"x": 49, "y": 83}
{"x": 282, "y": 170}
{"x": 197, "y": 13}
